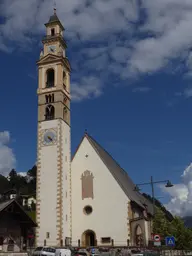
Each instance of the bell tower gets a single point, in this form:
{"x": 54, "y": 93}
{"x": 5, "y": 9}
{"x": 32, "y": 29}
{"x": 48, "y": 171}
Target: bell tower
{"x": 53, "y": 211}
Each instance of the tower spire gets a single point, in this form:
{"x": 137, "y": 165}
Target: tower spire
{"x": 54, "y": 7}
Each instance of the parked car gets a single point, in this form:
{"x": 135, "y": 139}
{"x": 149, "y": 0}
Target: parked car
{"x": 63, "y": 252}
{"x": 82, "y": 252}
{"x": 44, "y": 251}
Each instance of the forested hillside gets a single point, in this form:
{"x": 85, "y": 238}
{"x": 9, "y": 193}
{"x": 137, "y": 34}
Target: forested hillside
{"x": 24, "y": 185}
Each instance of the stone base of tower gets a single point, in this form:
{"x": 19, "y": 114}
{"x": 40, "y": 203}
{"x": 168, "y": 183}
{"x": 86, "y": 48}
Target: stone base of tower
{"x": 53, "y": 175}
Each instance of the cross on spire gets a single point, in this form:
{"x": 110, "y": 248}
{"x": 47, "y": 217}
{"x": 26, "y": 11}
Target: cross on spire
{"x": 54, "y": 4}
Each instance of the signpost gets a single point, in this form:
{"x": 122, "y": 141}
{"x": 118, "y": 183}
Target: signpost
{"x": 157, "y": 240}
{"x": 170, "y": 241}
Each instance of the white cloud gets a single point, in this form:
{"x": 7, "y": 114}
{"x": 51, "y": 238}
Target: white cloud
{"x": 128, "y": 38}
{"x": 89, "y": 87}
{"x": 181, "y": 194}
{"x": 23, "y": 174}
{"x": 7, "y": 157}
{"x": 187, "y": 92}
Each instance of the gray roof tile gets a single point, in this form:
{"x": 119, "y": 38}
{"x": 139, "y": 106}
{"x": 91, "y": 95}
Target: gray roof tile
{"x": 53, "y": 18}
{"x": 3, "y": 205}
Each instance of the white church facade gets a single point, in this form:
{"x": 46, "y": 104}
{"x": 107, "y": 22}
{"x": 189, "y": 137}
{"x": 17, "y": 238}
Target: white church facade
{"x": 88, "y": 200}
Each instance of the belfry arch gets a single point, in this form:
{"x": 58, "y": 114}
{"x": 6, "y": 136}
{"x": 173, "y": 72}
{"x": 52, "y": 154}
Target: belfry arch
{"x": 49, "y": 112}
{"x": 50, "y": 78}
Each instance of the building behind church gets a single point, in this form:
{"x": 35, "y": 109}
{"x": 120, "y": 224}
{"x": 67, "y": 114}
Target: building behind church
{"x": 89, "y": 200}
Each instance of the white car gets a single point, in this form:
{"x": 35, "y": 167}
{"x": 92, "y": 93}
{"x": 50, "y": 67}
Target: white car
{"x": 44, "y": 251}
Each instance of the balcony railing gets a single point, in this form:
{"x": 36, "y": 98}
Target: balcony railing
{"x": 47, "y": 37}
{"x": 49, "y": 117}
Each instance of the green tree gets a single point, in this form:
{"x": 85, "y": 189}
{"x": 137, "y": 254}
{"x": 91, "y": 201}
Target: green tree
{"x": 12, "y": 174}
{"x": 17, "y": 182}
{"x": 176, "y": 228}
{"x": 161, "y": 225}
{"x": 182, "y": 234}
{"x": 32, "y": 172}
{"x": 33, "y": 206}
{"x": 4, "y": 184}
{"x": 32, "y": 179}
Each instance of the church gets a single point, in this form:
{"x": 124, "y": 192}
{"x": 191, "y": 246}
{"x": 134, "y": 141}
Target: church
{"x": 88, "y": 199}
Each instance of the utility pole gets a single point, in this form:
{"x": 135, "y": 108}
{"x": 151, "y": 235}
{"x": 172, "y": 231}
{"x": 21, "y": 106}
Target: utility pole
{"x": 168, "y": 184}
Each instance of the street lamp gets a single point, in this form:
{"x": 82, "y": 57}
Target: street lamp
{"x": 167, "y": 185}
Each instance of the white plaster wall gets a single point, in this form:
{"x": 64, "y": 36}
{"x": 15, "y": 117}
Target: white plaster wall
{"x": 66, "y": 145}
{"x": 48, "y": 189}
{"x": 29, "y": 201}
{"x": 110, "y": 204}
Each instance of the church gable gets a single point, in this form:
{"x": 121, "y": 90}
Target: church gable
{"x": 97, "y": 198}
{"x": 120, "y": 176}
{"x": 90, "y": 171}
{"x": 91, "y": 175}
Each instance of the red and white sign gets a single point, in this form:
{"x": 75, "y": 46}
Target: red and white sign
{"x": 156, "y": 238}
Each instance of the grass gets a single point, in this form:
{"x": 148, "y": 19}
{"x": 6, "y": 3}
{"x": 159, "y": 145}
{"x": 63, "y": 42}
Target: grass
{"x": 32, "y": 214}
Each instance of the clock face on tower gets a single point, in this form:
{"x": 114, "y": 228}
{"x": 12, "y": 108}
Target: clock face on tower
{"x": 49, "y": 137}
{"x": 51, "y": 48}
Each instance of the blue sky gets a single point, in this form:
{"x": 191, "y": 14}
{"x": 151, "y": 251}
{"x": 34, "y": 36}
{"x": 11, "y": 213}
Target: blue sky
{"x": 131, "y": 82}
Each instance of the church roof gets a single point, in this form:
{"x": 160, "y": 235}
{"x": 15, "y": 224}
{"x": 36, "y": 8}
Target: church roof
{"x": 54, "y": 18}
{"x": 120, "y": 176}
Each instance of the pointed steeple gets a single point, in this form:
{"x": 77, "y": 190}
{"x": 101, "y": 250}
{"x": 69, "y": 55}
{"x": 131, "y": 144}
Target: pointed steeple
{"x": 54, "y": 19}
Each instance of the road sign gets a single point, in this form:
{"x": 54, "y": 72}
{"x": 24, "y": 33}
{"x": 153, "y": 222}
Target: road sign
{"x": 93, "y": 250}
{"x": 156, "y": 238}
{"x": 157, "y": 243}
{"x": 170, "y": 241}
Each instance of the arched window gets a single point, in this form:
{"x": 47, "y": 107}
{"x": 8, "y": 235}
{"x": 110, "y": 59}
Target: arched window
{"x": 138, "y": 236}
{"x": 49, "y": 98}
{"x": 49, "y": 112}
{"x": 64, "y": 80}
{"x": 50, "y": 78}
{"x": 52, "y": 32}
{"x": 64, "y": 113}
{"x": 87, "y": 184}
{"x": 10, "y": 246}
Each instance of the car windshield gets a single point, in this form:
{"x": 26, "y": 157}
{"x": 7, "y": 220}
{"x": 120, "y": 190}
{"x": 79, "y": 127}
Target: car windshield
{"x": 48, "y": 249}
{"x": 38, "y": 248}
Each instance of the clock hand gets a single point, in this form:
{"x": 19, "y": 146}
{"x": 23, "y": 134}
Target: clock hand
{"x": 49, "y": 138}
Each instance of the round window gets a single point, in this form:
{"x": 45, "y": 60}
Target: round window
{"x": 88, "y": 209}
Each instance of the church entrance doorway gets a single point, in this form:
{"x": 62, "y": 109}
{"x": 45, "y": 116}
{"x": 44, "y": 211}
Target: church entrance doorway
{"x": 89, "y": 238}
